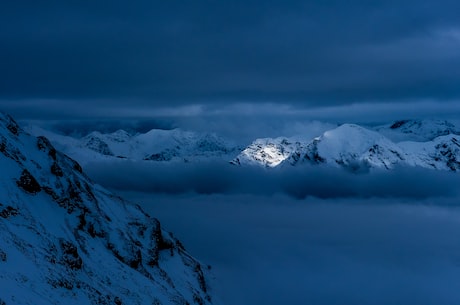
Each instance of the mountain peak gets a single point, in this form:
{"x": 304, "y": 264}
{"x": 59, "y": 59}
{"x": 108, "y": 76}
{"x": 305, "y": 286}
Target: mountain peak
{"x": 357, "y": 148}
{"x": 156, "y": 145}
{"x": 418, "y": 130}
{"x": 267, "y": 152}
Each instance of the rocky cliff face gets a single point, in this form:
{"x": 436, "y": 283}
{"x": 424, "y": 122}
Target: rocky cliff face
{"x": 64, "y": 240}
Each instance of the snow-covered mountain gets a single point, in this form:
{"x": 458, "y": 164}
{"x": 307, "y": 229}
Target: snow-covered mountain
{"x": 156, "y": 145}
{"x": 417, "y": 130}
{"x": 355, "y": 148}
{"x": 442, "y": 153}
{"x": 422, "y": 143}
{"x": 64, "y": 240}
{"x": 351, "y": 146}
{"x": 268, "y": 152}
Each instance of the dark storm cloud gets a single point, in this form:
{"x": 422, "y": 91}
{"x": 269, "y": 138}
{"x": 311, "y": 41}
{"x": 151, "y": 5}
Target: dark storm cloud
{"x": 146, "y": 53}
{"x": 80, "y": 128}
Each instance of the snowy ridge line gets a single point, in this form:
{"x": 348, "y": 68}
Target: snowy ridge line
{"x": 156, "y": 145}
{"x": 357, "y": 148}
{"x": 429, "y": 144}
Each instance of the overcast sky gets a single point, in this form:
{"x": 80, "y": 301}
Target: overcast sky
{"x": 62, "y": 59}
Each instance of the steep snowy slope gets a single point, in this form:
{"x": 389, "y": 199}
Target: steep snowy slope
{"x": 355, "y": 148}
{"x": 155, "y": 145}
{"x": 442, "y": 153}
{"x": 64, "y": 240}
{"x": 418, "y": 130}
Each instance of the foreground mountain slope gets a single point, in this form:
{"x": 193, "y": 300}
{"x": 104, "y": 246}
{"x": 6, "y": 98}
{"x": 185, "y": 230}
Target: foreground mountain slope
{"x": 64, "y": 240}
{"x": 156, "y": 145}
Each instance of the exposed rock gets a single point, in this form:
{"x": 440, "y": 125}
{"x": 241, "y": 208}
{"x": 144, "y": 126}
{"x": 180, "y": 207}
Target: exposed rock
{"x": 398, "y": 124}
{"x": 28, "y": 183}
{"x": 166, "y": 155}
{"x": 3, "y": 256}
{"x": 8, "y": 211}
{"x": 11, "y": 125}
{"x": 70, "y": 255}
{"x": 93, "y": 142}
{"x": 57, "y": 170}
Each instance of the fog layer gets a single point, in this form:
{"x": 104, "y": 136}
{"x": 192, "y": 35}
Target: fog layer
{"x": 301, "y": 182}
{"x": 278, "y": 250}
{"x": 308, "y": 235}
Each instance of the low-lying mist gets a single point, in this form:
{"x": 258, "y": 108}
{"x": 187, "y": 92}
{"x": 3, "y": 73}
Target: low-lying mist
{"x": 298, "y": 182}
{"x": 275, "y": 249}
{"x": 307, "y": 235}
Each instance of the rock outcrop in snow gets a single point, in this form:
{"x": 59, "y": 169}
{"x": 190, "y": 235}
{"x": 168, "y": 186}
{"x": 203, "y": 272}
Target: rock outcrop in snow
{"x": 64, "y": 240}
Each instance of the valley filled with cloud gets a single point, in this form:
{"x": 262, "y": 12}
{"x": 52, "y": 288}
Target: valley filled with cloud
{"x": 307, "y": 235}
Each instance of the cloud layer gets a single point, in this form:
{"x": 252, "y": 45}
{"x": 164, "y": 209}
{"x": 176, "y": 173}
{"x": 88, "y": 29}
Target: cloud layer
{"x": 277, "y": 250}
{"x": 301, "y": 182}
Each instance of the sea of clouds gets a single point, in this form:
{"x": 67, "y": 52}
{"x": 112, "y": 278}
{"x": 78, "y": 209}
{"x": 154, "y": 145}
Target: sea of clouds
{"x": 298, "y": 182}
{"x": 306, "y": 235}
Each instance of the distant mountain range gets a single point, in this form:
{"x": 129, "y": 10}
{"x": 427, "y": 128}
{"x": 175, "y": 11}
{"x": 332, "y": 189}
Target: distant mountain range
{"x": 433, "y": 144}
{"x": 427, "y": 144}
{"x": 65, "y": 240}
{"x": 156, "y": 145}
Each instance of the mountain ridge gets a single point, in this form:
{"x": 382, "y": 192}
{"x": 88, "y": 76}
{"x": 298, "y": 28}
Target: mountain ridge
{"x": 349, "y": 146}
{"x": 155, "y": 145}
{"x": 356, "y": 148}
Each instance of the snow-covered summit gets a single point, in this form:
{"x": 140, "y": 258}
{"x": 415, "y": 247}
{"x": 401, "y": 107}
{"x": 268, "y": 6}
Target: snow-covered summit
{"x": 355, "y": 148}
{"x": 64, "y": 240}
{"x": 418, "y": 130}
{"x": 268, "y": 152}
